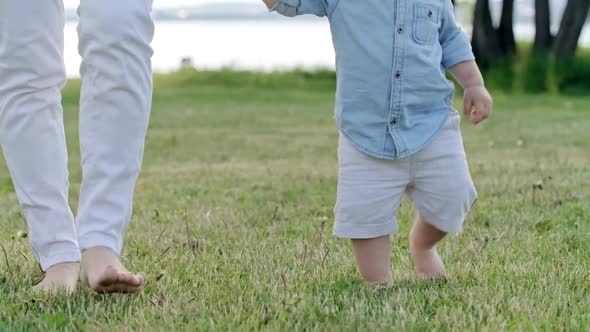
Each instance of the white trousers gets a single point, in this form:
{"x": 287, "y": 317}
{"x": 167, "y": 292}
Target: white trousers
{"x": 114, "y": 111}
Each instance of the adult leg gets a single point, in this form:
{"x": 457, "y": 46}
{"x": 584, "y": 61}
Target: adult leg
{"x": 32, "y": 133}
{"x": 115, "y": 106}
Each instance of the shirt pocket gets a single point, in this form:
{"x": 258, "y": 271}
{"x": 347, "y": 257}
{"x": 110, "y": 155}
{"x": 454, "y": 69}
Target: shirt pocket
{"x": 426, "y": 22}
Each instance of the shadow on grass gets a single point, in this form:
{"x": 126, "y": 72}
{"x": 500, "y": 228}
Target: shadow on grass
{"x": 352, "y": 286}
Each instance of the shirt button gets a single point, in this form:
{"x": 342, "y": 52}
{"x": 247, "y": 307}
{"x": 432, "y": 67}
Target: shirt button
{"x": 398, "y": 74}
{"x": 400, "y": 29}
{"x": 393, "y": 121}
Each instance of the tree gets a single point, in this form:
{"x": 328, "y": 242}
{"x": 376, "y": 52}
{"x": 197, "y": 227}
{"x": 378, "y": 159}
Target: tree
{"x": 490, "y": 44}
{"x": 538, "y": 64}
{"x": 486, "y": 45}
{"x": 572, "y": 23}
{"x": 505, "y": 32}
{"x": 543, "y": 37}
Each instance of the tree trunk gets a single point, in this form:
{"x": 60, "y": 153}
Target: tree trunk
{"x": 543, "y": 37}
{"x": 486, "y": 46}
{"x": 506, "y": 29}
{"x": 572, "y": 23}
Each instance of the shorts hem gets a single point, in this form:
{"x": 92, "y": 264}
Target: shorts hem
{"x": 447, "y": 227}
{"x": 351, "y": 231}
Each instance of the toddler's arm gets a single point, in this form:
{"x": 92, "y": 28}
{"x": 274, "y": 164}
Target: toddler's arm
{"x": 298, "y": 7}
{"x": 459, "y": 60}
{"x": 455, "y": 43}
{"x": 477, "y": 103}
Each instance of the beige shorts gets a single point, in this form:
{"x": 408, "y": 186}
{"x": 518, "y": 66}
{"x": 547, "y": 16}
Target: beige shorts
{"x": 436, "y": 179}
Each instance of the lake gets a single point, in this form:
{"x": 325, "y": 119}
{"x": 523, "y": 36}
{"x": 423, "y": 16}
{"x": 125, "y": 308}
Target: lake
{"x": 256, "y": 45}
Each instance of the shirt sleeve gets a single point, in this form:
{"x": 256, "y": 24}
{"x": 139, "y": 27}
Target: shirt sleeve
{"x": 293, "y": 8}
{"x": 455, "y": 44}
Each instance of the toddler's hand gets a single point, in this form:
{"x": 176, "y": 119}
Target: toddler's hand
{"x": 477, "y": 104}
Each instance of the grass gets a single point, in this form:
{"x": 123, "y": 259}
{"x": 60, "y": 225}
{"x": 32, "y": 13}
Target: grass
{"x": 233, "y": 216}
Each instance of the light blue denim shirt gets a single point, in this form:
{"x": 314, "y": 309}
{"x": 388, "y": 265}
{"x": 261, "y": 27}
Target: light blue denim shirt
{"x": 392, "y": 96}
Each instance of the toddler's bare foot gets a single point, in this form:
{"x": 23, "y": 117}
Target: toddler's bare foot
{"x": 428, "y": 264}
{"x": 423, "y": 240}
{"x": 102, "y": 271}
{"x": 60, "y": 277}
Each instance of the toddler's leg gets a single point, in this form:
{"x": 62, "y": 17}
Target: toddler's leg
{"x": 443, "y": 193}
{"x": 369, "y": 194}
{"x": 423, "y": 240}
{"x": 373, "y": 259}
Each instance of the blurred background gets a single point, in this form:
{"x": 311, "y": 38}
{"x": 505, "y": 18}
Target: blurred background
{"x": 233, "y": 209}
{"x": 515, "y": 36}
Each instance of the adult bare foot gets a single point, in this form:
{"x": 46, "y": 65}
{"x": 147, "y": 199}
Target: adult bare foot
{"x": 59, "y": 277}
{"x": 102, "y": 271}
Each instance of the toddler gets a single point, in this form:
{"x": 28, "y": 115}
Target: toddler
{"x": 399, "y": 133}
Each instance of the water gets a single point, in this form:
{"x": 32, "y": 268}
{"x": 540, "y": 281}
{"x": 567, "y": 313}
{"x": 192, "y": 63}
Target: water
{"x": 263, "y": 45}
{"x": 256, "y": 45}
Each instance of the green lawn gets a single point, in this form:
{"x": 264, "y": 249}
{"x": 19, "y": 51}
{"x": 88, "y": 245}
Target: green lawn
{"x": 233, "y": 217}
